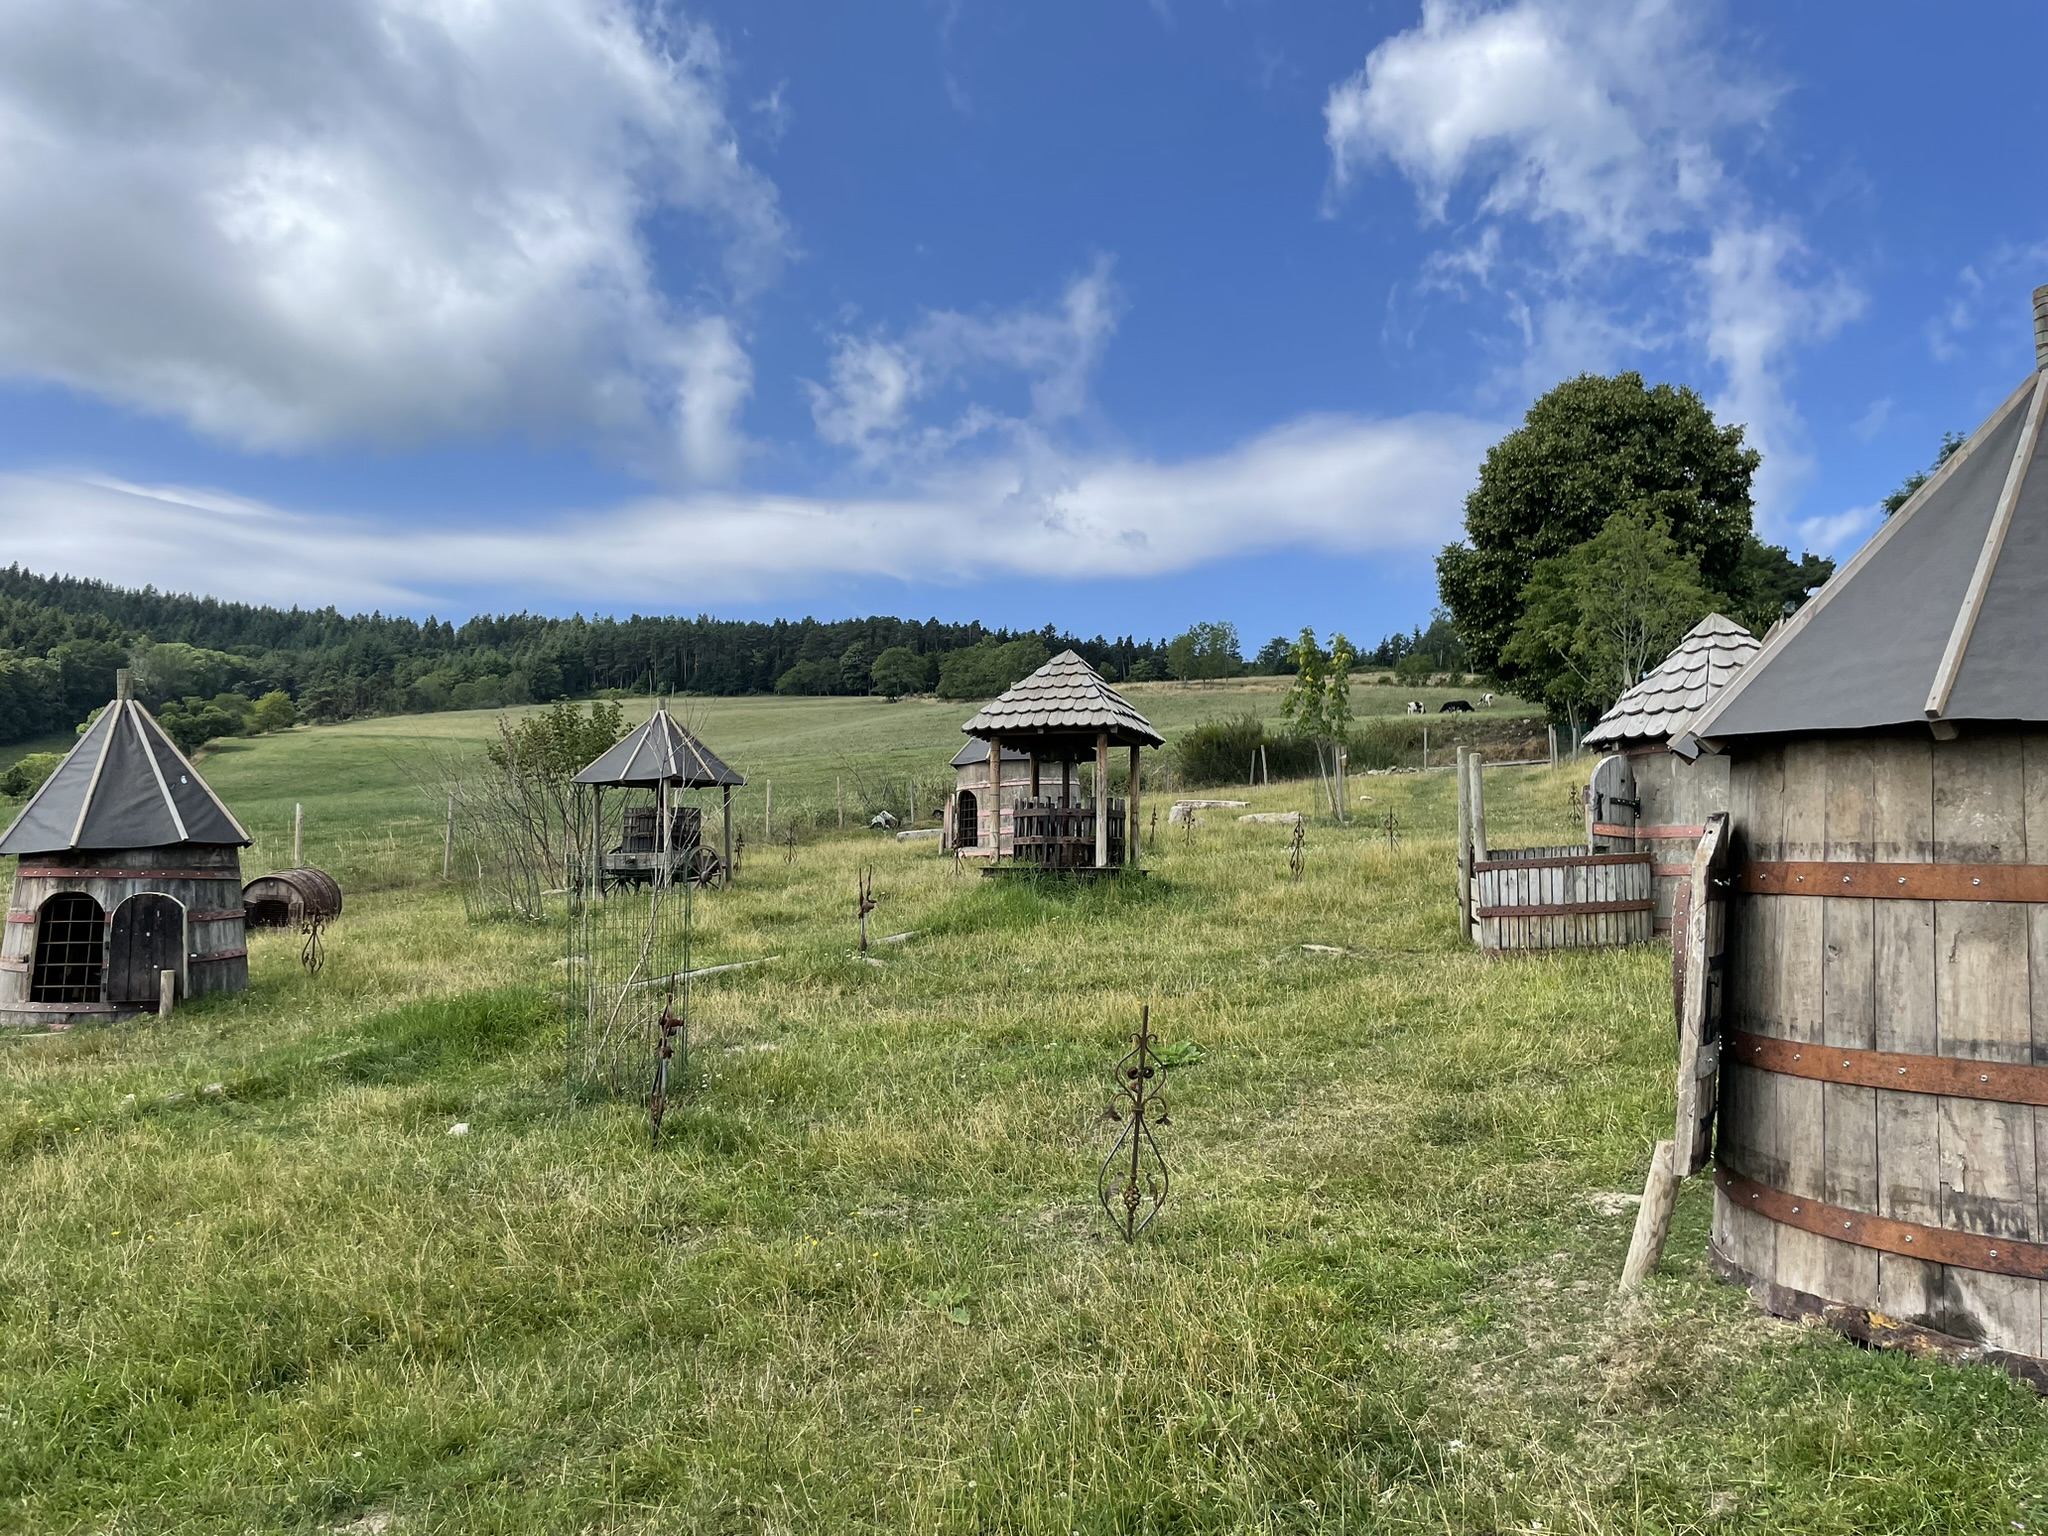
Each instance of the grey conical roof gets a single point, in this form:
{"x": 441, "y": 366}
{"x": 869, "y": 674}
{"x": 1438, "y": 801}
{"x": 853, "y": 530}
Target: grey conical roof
{"x": 123, "y": 786}
{"x": 660, "y": 751}
{"x": 1065, "y": 697}
{"x": 1699, "y": 666}
{"x": 1943, "y": 615}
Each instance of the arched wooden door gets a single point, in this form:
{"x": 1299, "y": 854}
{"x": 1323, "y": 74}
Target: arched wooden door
{"x": 966, "y": 825}
{"x": 148, "y": 936}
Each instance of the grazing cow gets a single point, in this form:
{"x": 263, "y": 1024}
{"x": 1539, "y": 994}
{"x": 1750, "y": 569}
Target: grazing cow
{"x": 1486, "y": 699}
{"x": 1415, "y": 706}
{"x": 882, "y": 821}
{"x": 1454, "y": 707}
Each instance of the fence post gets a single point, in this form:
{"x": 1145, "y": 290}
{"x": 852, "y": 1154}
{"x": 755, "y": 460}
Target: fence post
{"x": 768, "y": 810}
{"x": 1464, "y": 839}
{"x": 1425, "y": 746}
{"x": 1552, "y": 729}
{"x": 448, "y": 840}
{"x": 298, "y": 835}
{"x": 839, "y": 801}
{"x": 166, "y": 992}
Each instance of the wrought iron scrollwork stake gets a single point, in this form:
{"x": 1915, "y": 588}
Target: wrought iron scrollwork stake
{"x": 1133, "y": 1182}
{"x": 1297, "y": 854}
{"x": 670, "y": 1026}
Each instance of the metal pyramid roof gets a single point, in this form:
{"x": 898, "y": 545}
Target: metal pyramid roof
{"x": 125, "y": 785}
{"x": 1699, "y": 666}
{"x": 1941, "y": 617}
{"x": 1065, "y": 697}
{"x": 659, "y": 752}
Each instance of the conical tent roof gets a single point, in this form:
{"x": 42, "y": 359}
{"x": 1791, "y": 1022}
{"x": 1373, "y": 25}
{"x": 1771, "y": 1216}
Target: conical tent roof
{"x": 660, "y": 752}
{"x": 1699, "y": 666}
{"x": 1941, "y": 617}
{"x": 125, "y": 785}
{"x": 1065, "y": 697}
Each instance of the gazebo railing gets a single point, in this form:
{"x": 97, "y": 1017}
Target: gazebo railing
{"x": 1048, "y": 835}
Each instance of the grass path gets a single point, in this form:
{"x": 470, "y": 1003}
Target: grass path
{"x": 249, "y": 1281}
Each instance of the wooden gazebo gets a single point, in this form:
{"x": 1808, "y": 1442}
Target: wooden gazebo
{"x": 1867, "y": 952}
{"x": 661, "y": 841}
{"x": 1061, "y": 715}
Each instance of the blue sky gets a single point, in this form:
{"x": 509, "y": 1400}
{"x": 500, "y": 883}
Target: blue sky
{"x": 1116, "y": 314}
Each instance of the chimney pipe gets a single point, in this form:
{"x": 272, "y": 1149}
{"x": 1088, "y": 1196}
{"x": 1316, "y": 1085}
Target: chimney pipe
{"x": 2041, "y": 327}
{"x": 123, "y": 688}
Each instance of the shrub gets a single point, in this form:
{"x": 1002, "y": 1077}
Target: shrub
{"x": 1221, "y": 752}
{"x": 26, "y": 776}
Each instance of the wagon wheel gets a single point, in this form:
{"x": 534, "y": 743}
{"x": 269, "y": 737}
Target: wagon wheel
{"x": 705, "y": 866}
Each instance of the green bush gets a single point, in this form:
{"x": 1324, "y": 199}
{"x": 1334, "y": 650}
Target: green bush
{"x": 26, "y": 776}
{"x": 1221, "y": 752}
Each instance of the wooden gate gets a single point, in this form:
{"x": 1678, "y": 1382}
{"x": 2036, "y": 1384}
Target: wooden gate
{"x": 1699, "y": 934}
{"x": 147, "y": 936}
{"x": 1562, "y": 898}
{"x": 1613, "y": 807}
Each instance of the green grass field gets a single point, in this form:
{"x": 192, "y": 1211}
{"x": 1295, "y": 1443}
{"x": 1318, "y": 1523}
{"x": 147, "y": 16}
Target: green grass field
{"x": 250, "y": 1282}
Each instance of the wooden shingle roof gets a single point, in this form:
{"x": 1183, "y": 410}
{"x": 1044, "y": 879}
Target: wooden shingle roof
{"x": 1064, "y": 697}
{"x": 1699, "y": 666}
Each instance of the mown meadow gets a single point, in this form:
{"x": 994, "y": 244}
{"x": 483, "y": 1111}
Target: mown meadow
{"x": 251, "y": 1281}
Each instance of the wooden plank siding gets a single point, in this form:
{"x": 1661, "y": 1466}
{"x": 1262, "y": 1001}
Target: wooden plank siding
{"x": 1579, "y": 900}
{"x": 1963, "y": 979}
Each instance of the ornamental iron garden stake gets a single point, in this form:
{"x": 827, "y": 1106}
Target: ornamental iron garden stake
{"x": 1133, "y": 1182}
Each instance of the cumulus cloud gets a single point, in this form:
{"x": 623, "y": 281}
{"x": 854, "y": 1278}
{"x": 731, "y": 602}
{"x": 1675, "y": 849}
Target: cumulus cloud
{"x": 1344, "y": 485}
{"x": 876, "y": 382}
{"x": 385, "y": 220}
{"x": 1575, "y": 151}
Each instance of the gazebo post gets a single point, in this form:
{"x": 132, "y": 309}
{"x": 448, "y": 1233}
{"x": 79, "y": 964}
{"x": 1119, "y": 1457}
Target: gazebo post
{"x": 728, "y": 837}
{"x": 1131, "y": 814}
{"x": 1102, "y": 800}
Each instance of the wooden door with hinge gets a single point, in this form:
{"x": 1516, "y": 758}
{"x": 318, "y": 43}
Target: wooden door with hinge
{"x": 147, "y": 936}
{"x": 1613, "y": 808}
{"x": 1699, "y": 941}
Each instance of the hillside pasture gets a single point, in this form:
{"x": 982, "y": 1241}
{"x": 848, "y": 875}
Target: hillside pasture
{"x": 253, "y": 1281}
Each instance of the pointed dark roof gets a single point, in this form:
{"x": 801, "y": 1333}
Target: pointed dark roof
{"x": 977, "y": 752}
{"x": 1942, "y": 616}
{"x": 660, "y": 751}
{"x": 1065, "y": 697}
{"x": 123, "y": 786}
{"x": 1699, "y": 666}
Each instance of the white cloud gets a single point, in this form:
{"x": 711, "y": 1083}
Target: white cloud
{"x": 1340, "y": 485}
{"x": 1609, "y": 225}
{"x": 876, "y": 383}
{"x": 390, "y": 220}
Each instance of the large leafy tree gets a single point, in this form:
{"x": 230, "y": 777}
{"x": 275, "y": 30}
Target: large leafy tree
{"x": 1206, "y": 650}
{"x": 1588, "y": 449}
{"x": 1599, "y": 616}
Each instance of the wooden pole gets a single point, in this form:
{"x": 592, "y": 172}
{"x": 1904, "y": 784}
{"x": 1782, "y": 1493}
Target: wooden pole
{"x": 448, "y": 840}
{"x": 298, "y": 836}
{"x": 1479, "y": 843}
{"x": 1425, "y": 746}
{"x": 839, "y": 801}
{"x": 913, "y": 802}
{"x": 1265, "y": 769}
{"x": 1464, "y": 837}
{"x": 1131, "y": 815}
{"x": 1102, "y": 800}
{"x": 166, "y": 992}
{"x": 768, "y": 811}
{"x": 995, "y": 800}
{"x": 1553, "y": 744}
{"x": 728, "y": 835}
{"x": 1653, "y": 1221}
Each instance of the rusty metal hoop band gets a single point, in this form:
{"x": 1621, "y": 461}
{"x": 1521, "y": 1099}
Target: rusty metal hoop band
{"x": 1908, "y": 1239}
{"x": 1954, "y": 1077}
{"x": 1896, "y": 882}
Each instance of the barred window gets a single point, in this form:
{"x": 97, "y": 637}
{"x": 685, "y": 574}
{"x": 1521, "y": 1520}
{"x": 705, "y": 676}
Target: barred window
{"x": 71, "y": 940}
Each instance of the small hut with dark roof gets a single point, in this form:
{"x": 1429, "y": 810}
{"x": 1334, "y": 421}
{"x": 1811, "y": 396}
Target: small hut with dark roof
{"x": 130, "y": 866}
{"x": 1882, "y": 1134}
{"x": 663, "y": 838}
{"x": 1060, "y": 716}
{"x": 1643, "y": 796}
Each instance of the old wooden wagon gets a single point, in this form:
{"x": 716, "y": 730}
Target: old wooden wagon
{"x": 1030, "y": 813}
{"x": 130, "y": 871}
{"x": 1645, "y": 798}
{"x": 1881, "y": 1034}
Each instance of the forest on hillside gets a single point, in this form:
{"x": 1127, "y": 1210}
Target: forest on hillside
{"x": 207, "y": 665}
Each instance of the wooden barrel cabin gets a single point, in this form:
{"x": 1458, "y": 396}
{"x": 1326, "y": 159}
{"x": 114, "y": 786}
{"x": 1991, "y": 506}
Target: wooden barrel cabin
{"x": 130, "y": 867}
{"x": 1645, "y": 798}
{"x": 287, "y": 898}
{"x": 1881, "y": 1033}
